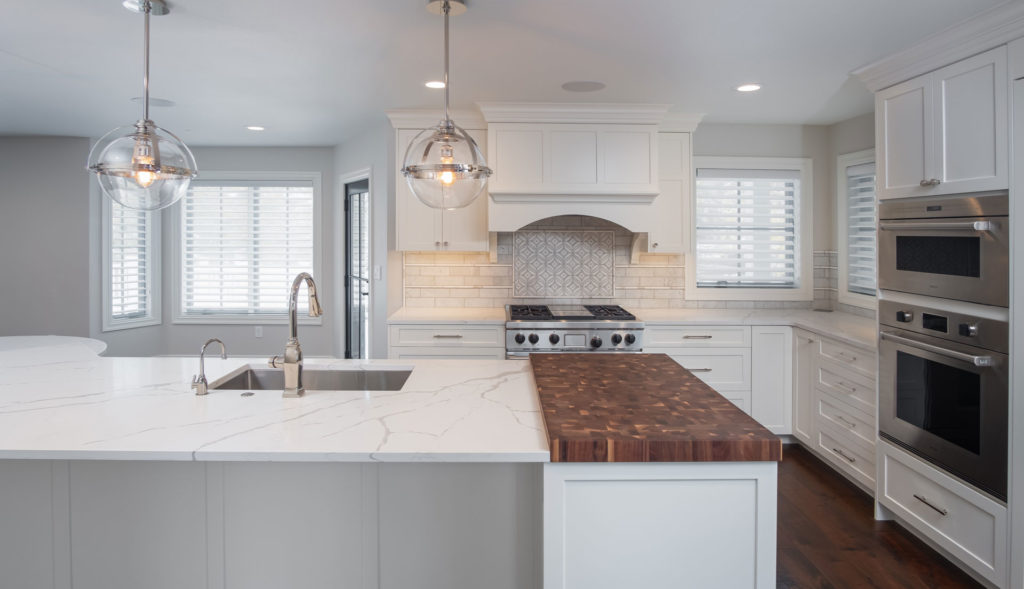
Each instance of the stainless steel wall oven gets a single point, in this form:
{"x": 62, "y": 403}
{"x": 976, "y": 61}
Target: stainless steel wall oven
{"x": 943, "y": 385}
{"x": 954, "y": 247}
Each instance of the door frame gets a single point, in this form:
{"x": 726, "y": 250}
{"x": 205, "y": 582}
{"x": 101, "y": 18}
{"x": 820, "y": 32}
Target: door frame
{"x": 340, "y": 256}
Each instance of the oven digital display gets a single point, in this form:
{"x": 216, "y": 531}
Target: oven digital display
{"x": 934, "y": 322}
{"x": 940, "y": 399}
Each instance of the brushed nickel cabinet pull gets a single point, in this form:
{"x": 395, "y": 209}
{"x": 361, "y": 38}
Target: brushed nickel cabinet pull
{"x": 849, "y": 389}
{"x": 846, "y": 356}
{"x": 843, "y": 454}
{"x": 698, "y": 336}
{"x": 847, "y": 422}
{"x": 929, "y": 504}
{"x": 444, "y": 336}
{"x": 699, "y": 369}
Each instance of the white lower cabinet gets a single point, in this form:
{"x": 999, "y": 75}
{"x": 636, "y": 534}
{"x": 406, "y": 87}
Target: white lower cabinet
{"x": 457, "y": 340}
{"x": 804, "y": 343}
{"x": 696, "y": 524}
{"x": 961, "y": 520}
{"x": 750, "y": 366}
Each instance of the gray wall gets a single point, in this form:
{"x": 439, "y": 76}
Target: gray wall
{"x": 823, "y": 144}
{"x": 371, "y": 150}
{"x": 44, "y": 234}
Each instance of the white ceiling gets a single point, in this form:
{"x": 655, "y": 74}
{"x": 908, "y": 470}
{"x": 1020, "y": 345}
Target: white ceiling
{"x": 318, "y": 71}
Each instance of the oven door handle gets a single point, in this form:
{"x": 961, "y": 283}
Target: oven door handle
{"x": 970, "y": 358}
{"x": 972, "y": 226}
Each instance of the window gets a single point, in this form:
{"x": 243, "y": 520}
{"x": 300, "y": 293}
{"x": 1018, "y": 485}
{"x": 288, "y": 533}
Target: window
{"x": 131, "y": 274}
{"x": 750, "y": 234}
{"x": 856, "y": 210}
{"x": 242, "y": 239}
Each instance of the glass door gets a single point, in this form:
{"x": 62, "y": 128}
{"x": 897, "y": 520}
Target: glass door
{"x": 357, "y": 269}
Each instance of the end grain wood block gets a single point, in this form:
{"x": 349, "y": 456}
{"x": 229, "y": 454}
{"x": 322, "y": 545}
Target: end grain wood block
{"x": 641, "y": 408}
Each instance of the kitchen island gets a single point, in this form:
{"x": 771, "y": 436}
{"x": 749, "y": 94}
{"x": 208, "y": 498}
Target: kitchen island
{"x": 115, "y": 475}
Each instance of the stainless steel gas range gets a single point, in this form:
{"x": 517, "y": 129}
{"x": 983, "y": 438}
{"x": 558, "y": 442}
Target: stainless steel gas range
{"x": 571, "y": 328}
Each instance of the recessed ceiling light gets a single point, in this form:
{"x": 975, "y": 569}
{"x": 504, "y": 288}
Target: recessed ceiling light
{"x": 748, "y": 88}
{"x": 582, "y": 86}
{"x": 435, "y": 84}
{"x": 256, "y": 128}
{"x": 154, "y": 101}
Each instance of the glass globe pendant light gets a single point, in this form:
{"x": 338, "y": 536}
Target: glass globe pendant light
{"x": 142, "y": 166}
{"x": 444, "y": 166}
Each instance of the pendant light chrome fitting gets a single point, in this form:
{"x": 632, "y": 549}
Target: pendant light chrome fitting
{"x": 142, "y": 166}
{"x": 443, "y": 166}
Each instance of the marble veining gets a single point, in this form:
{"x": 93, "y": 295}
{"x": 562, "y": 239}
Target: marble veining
{"x": 142, "y": 409}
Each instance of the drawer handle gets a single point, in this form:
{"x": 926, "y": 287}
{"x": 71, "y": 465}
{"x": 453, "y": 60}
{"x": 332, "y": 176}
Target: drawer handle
{"x": 847, "y": 422}
{"x": 842, "y": 385}
{"x": 845, "y": 356}
{"x": 843, "y": 454}
{"x": 929, "y": 504}
{"x": 445, "y": 336}
{"x": 698, "y": 336}
{"x": 699, "y": 369}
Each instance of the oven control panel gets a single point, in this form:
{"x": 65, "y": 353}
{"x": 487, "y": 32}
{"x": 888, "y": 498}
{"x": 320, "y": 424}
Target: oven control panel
{"x": 991, "y": 334}
{"x": 549, "y": 340}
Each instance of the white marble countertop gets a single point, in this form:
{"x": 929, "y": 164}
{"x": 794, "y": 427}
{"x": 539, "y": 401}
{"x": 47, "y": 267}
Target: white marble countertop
{"x": 68, "y": 403}
{"x": 845, "y": 327}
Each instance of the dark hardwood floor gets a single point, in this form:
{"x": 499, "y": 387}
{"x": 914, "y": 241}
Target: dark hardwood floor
{"x": 828, "y": 537}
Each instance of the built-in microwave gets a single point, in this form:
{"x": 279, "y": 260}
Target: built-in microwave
{"x": 953, "y": 247}
{"x": 943, "y": 385}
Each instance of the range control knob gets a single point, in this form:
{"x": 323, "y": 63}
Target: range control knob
{"x": 616, "y": 339}
{"x": 904, "y": 316}
{"x": 969, "y": 329}
{"x": 553, "y": 338}
{"x": 630, "y": 339}
{"x": 520, "y": 338}
{"x": 595, "y": 342}
{"x": 533, "y": 338}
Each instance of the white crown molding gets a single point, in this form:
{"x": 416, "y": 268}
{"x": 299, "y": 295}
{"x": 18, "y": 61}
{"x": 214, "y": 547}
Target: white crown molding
{"x": 573, "y": 112}
{"x": 678, "y": 122}
{"x": 994, "y": 27}
{"x": 424, "y": 118}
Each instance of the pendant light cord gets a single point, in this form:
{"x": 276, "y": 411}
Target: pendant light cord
{"x": 446, "y": 8}
{"x": 146, "y": 7}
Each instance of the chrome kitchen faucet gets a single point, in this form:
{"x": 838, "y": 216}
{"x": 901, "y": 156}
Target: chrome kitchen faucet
{"x": 291, "y": 363}
{"x": 199, "y": 384}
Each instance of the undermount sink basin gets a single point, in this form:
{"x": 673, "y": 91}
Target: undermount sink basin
{"x": 270, "y": 379}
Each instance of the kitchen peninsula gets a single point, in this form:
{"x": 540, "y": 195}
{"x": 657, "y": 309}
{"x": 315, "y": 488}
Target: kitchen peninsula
{"x": 118, "y": 476}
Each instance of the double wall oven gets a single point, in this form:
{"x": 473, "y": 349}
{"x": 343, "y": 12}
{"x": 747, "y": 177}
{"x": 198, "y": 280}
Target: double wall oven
{"x": 944, "y": 333}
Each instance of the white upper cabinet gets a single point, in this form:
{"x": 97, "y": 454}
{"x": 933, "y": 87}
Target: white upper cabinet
{"x": 670, "y": 211}
{"x": 944, "y": 132}
{"x": 583, "y": 160}
{"x": 422, "y": 228}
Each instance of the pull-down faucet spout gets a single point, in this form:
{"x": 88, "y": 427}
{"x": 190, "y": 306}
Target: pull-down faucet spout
{"x": 291, "y": 363}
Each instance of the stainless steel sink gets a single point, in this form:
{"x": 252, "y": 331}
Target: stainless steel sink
{"x": 271, "y": 379}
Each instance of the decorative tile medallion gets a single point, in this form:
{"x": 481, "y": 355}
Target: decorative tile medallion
{"x": 569, "y": 264}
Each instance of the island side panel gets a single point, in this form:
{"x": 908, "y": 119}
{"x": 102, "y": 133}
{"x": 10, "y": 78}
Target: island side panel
{"x": 709, "y": 525}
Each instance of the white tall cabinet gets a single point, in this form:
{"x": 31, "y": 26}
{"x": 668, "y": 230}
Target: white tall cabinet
{"x": 945, "y": 132}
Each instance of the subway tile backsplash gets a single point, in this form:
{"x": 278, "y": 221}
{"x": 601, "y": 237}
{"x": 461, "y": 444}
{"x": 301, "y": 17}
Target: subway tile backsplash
{"x": 578, "y": 260}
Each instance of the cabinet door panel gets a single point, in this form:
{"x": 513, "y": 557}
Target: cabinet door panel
{"x": 803, "y": 384}
{"x": 465, "y": 229}
{"x": 573, "y": 157}
{"x": 521, "y": 152}
{"x": 671, "y": 208}
{"x": 970, "y": 111}
{"x": 903, "y": 130}
{"x": 627, "y": 157}
{"x": 771, "y": 394}
{"x": 418, "y": 227}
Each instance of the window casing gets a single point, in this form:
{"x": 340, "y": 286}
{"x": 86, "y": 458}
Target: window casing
{"x": 751, "y": 229}
{"x": 131, "y": 267}
{"x": 856, "y": 218}
{"x": 241, "y": 238}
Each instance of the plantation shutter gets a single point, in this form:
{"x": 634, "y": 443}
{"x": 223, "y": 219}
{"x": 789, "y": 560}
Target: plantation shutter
{"x": 131, "y": 263}
{"x": 860, "y": 220}
{"x": 747, "y": 228}
{"x": 242, "y": 245}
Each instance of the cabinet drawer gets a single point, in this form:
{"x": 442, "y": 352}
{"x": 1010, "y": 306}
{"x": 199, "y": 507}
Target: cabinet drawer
{"x": 696, "y": 337}
{"x": 849, "y": 456}
{"x": 845, "y": 386}
{"x": 441, "y": 352}
{"x": 447, "y": 335}
{"x": 958, "y": 518}
{"x": 843, "y": 417}
{"x": 740, "y": 399}
{"x": 860, "y": 361}
{"x": 724, "y": 369}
